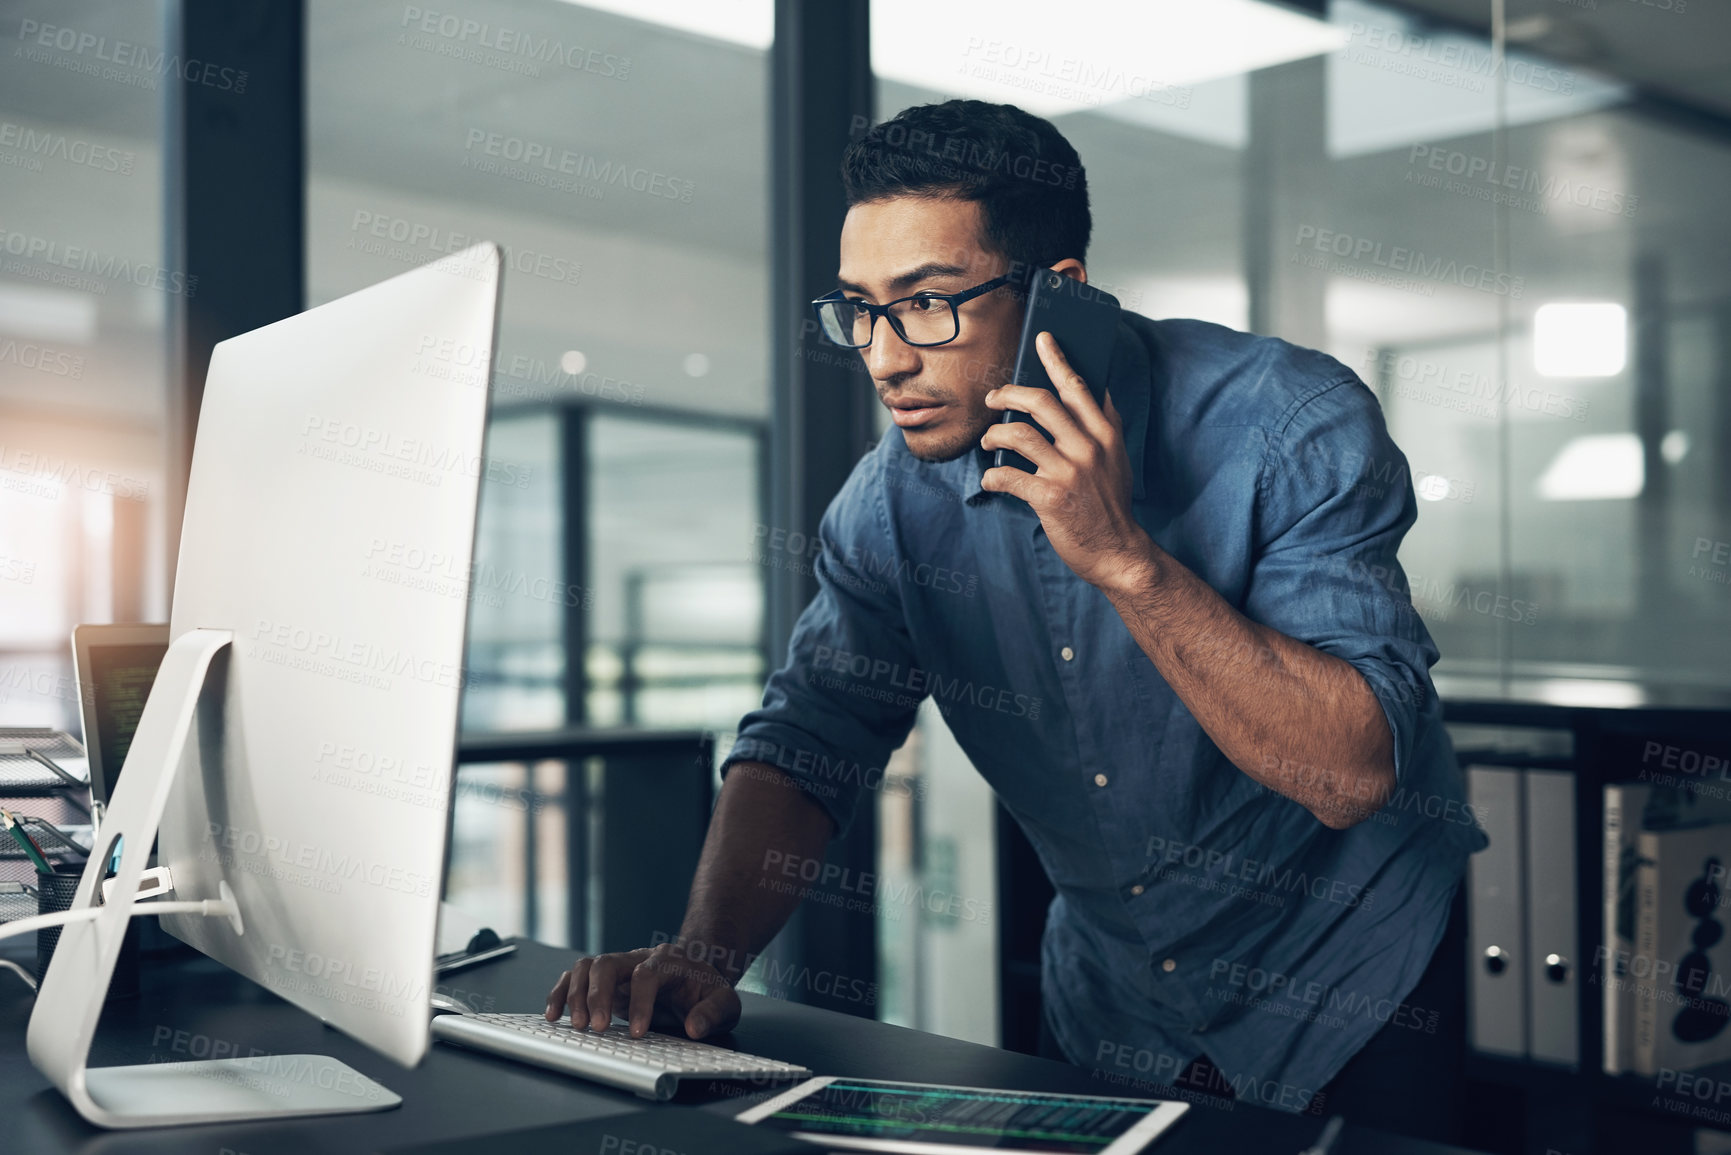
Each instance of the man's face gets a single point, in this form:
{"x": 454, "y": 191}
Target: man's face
{"x": 905, "y": 245}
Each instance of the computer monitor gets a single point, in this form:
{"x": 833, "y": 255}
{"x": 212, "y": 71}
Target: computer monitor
{"x": 113, "y": 666}
{"x": 295, "y": 754}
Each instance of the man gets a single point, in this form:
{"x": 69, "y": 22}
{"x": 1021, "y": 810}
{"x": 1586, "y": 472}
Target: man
{"x": 1214, "y": 673}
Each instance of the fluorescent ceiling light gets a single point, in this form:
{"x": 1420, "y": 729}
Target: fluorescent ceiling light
{"x": 747, "y": 22}
{"x": 1056, "y": 58}
{"x": 1595, "y": 468}
{"x": 1580, "y": 340}
{"x": 48, "y": 314}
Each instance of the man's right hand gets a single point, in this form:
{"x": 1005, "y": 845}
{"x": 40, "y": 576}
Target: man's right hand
{"x": 652, "y": 985}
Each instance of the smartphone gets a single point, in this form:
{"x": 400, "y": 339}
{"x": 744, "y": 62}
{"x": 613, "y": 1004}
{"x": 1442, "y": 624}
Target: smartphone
{"x": 1084, "y": 321}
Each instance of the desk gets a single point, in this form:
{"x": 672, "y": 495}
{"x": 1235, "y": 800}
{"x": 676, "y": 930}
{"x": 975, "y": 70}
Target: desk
{"x": 188, "y": 1004}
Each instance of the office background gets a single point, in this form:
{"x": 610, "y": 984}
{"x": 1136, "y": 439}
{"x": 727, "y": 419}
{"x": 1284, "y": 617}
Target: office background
{"x": 1405, "y": 186}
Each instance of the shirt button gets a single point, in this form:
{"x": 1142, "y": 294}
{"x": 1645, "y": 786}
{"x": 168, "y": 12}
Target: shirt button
{"x": 1066, "y": 653}
{"x": 1137, "y": 889}
{"x": 1099, "y": 780}
{"x": 1169, "y": 965}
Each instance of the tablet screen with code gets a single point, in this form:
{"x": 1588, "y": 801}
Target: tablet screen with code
{"x": 870, "y": 1115}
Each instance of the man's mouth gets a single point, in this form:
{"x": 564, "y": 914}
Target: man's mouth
{"x": 910, "y": 412}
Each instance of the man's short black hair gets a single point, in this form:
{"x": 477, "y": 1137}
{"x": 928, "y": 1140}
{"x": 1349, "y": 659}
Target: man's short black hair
{"x": 1027, "y": 178}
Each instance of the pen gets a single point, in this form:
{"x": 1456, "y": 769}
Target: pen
{"x": 23, "y": 840}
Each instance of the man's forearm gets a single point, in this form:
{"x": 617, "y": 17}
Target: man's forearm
{"x": 1299, "y": 721}
{"x": 761, "y": 819}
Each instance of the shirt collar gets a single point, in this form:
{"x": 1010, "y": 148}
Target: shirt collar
{"x": 1130, "y": 384}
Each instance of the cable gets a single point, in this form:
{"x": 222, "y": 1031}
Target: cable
{"x": 29, "y": 979}
{"x": 208, "y": 907}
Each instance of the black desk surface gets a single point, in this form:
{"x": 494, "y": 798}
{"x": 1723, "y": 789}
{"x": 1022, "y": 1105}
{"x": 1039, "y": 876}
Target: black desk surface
{"x": 190, "y": 1006}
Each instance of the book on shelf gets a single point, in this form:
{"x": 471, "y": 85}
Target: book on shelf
{"x": 1631, "y": 809}
{"x": 1683, "y": 993}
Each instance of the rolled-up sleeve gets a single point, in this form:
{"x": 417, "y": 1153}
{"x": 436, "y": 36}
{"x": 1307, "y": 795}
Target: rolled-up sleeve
{"x": 839, "y": 706}
{"x": 1335, "y": 501}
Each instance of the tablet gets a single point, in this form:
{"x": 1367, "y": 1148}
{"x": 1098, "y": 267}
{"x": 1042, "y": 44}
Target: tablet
{"x": 870, "y": 1115}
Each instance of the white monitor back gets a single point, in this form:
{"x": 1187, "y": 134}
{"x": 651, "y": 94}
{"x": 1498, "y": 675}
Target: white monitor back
{"x": 330, "y": 524}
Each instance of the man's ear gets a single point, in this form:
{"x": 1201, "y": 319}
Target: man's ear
{"x": 1072, "y": 268}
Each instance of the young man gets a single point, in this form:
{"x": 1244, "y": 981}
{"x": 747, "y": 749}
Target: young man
{"x": 1204, "y": 676}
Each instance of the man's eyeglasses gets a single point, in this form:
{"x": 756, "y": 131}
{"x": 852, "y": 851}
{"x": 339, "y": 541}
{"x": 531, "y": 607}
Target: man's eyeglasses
{"x": 923, "y": 319}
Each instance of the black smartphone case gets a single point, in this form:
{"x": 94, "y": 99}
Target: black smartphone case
{"x": 1084, "y": 320}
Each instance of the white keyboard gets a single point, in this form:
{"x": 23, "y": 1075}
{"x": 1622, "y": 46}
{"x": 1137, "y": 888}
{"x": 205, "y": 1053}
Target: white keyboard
{"x": 651, "y": 1066}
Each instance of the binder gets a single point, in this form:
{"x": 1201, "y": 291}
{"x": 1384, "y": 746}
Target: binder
{"x": 1496, "y": 916}
{"x": 1553, "y": 971}
{"x": 1625, "y": 803}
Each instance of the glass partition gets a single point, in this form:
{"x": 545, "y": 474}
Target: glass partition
{"x": 84, "y": 285}
{"x": 1521, "y": 254}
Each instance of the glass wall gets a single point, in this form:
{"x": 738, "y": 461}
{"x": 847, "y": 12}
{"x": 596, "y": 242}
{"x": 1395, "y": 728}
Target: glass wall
{"x": 619, "y": 154}
{"x": 1523, "y": 256}
{"x": 83, "y": 308}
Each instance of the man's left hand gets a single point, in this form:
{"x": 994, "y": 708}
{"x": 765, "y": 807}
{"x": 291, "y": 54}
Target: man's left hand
{"x": 1081, "y": 485}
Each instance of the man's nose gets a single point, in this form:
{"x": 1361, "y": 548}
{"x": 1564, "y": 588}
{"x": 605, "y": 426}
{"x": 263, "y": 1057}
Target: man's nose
{"x": 889, "y": 356}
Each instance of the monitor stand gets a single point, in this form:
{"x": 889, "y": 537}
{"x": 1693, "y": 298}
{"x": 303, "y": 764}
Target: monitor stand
{"x": 70, "y": 1000}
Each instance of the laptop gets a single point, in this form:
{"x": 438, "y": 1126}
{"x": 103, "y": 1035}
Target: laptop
{"x": 114, "y": 667}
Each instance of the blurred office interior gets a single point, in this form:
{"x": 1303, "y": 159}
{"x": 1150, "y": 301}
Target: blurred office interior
{"x": 1556, "y": 364}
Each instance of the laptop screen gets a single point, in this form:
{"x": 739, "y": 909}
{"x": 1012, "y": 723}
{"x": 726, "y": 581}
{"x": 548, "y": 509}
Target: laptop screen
{"x": 116, "y": 666}
{"x": 120, "y": 682}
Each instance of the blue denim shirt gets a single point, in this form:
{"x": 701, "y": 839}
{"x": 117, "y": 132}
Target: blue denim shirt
{"x": 1197, "y": 911}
